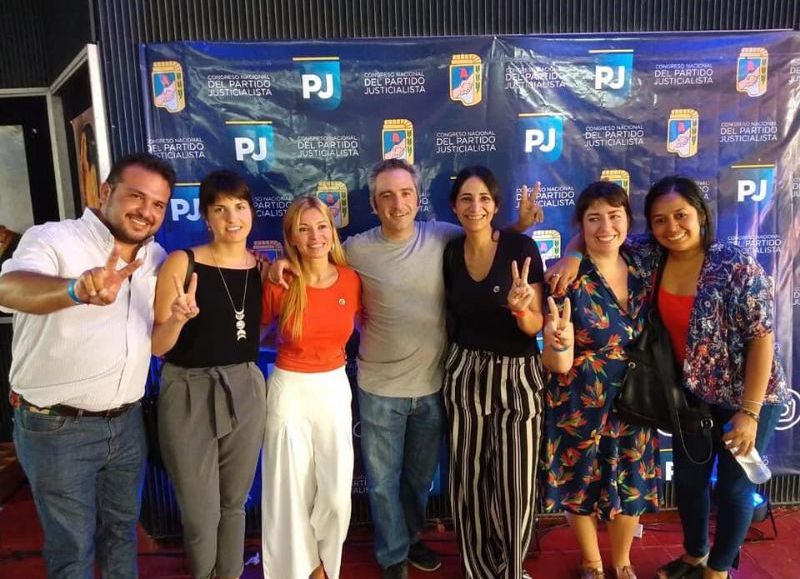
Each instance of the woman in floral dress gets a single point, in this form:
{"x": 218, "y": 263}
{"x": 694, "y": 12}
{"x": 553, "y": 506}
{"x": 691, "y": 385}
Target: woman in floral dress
{"x": 598, "y": 467}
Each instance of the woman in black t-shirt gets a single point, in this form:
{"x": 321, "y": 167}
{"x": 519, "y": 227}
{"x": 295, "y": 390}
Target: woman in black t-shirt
{"x": 493, "y": 382}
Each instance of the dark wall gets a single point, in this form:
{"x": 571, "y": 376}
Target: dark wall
{"x": 67, "y": 29}
{"x": 121, "y": 25}
{"x": 23, "y": 63}
{"x": 39, "y": 38}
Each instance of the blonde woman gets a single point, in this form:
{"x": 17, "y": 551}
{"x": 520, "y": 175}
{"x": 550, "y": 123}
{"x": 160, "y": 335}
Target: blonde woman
{"x": 308, "y": 447}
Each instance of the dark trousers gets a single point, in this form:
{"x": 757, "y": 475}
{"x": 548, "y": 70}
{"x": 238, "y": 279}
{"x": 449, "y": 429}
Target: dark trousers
{"x": 734, "y": 492}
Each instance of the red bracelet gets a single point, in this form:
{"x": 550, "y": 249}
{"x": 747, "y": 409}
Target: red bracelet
{"x": 519, "y": 313}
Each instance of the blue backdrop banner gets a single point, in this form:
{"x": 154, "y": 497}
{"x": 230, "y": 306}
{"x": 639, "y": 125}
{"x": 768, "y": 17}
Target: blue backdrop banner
{"x": 299, "y": 118}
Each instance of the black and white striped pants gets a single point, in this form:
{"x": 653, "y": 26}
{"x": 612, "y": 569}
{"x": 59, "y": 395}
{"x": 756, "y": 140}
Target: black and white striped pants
{"x": 494, "y": 409}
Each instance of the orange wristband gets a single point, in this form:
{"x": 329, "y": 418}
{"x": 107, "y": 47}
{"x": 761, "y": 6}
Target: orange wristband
{"x": 519, "y": 313}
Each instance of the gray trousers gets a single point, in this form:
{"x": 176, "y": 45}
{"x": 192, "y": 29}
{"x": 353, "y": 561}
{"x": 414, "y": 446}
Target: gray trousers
{"x": 211, "y": 428}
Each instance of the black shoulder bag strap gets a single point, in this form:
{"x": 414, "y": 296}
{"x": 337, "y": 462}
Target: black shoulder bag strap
{"x": 189, "y": 269}
{"x": 676, "y": 400}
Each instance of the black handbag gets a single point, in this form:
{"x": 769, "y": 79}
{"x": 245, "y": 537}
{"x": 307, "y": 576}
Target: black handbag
{"x": 651, "y": 393}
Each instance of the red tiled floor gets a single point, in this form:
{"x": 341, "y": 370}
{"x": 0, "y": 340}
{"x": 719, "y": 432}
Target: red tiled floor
{"x": 764, "y": 556}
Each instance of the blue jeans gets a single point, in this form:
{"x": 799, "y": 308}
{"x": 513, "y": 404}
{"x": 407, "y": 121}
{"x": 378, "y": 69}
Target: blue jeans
{"x": 86, "y": 476}
{"x": 400, "y": 441}
{"x": 734, "y": 492}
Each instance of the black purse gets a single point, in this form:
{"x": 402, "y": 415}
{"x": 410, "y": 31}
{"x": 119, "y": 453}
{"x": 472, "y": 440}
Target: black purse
{"x": 651, "y": 393}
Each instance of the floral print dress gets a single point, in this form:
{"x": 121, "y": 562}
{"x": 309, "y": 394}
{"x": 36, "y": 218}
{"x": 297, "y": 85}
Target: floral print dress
{"x": 596, "y": 463}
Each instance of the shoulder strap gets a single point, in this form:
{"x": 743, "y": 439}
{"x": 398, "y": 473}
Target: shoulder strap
{"x": 189, "y": 269}
{"x": 665, "y": 365}
{"x": 662, "y": 264}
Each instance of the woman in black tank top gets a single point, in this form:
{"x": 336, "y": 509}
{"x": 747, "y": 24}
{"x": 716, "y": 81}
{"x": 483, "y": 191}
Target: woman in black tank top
{"x": 212, "y": 399}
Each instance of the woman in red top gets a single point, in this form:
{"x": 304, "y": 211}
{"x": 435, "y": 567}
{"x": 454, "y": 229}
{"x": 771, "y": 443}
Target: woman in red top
{"x": 308, "y": 447}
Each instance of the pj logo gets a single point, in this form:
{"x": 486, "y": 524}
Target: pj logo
{"x": 320, "y": 81}
{"x": 253, "y": 143}
{"x": 613, "y": 72}
{"x": 754, "y": 183}
{"x": 541, "y": 134}
{"x": 183, "y": 226}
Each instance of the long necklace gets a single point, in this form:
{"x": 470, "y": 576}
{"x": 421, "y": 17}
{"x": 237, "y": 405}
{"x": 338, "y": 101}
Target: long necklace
{"x": 241, "y": 333}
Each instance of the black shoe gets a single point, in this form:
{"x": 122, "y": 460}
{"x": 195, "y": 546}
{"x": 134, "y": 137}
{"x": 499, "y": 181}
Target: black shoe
{"x": 423, "y": 558}
{"x": 680, "y": 569}
{"x": 396, "y": 571}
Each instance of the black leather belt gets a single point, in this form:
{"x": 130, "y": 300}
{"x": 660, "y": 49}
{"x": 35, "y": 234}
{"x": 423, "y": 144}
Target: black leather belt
{"x": 18, "y": 401}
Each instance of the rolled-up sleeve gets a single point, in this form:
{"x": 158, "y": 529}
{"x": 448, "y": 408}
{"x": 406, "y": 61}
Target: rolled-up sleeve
{"x": 35, "y": 253}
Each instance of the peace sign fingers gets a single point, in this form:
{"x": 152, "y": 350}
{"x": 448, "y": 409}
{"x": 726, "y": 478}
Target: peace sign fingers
{"x": 518, "y": 279}
{"x": 531, "y": 195}
{"x": 560, "y": 320}
{"x": 530, "y": 211}
{"x": 534, "y": 194}
{"x": 128, "y": 270}
{"x": 117, "y": 276}
{"x": 111, "y": 262}
{"x": 178, "y": 285}
{"x": 558, "y": 331}
{"x": 192, "y": 290}
{"x": 521, "y": 294}
{"x": 553, "y": 311}
{"x": 566, "y": 314}
{"x": 526, "y": 267}
{"x": 184, "y": 307}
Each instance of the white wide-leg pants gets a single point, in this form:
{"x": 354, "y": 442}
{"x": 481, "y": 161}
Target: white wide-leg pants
{"x": 307, "y": 471}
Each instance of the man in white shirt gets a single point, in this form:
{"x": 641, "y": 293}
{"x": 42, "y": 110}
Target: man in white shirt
{"x": 81, "y": 291}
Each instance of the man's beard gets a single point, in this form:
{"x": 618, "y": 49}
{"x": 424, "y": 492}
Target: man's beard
{"x": 123, "y": 236}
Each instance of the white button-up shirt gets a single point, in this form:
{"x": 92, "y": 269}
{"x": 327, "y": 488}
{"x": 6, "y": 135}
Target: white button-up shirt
{"x": 90, "y": 357}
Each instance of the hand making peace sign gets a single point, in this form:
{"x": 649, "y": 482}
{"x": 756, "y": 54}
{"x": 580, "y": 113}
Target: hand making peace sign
{"x": 184, "y": 308}
{"x": 99, "y": 286}
{"x": 558, "y": 331}
{"x": 530, "y": 212}
{"x": 521, "y": 293}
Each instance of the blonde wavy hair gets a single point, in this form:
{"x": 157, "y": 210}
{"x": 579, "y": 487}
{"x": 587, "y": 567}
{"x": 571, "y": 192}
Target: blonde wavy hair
{"x": 296, "y": 298}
